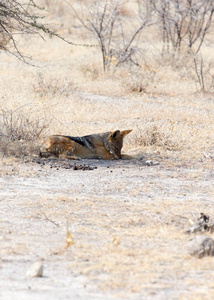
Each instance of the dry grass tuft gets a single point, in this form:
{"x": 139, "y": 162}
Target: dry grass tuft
{"x": 23, "y": 123}
{"x": 21, "y": 130}
{"x": 18, "y": 149}
{"x": 69, "y": 237}
{"x": 152, "y": 134}
{"x": 51, "y": 86}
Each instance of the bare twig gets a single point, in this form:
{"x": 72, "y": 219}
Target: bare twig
{"x": 46, "y": 218}
{"x": 23, "y": 17}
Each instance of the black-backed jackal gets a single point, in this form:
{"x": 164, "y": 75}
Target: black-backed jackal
{"x": 106, "y": 145}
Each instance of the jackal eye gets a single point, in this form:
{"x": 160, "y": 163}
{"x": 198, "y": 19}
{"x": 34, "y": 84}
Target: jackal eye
{"x": 117, "y": 149}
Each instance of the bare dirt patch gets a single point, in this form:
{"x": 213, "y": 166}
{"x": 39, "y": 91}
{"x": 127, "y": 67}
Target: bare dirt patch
{"x": 128, "y": 223}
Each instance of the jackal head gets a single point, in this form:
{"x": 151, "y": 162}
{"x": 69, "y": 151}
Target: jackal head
{"x": 114, "y": 142}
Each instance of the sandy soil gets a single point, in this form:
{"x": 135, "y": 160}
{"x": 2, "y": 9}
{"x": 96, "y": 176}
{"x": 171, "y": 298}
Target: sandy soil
{"x": 128, "y": 222}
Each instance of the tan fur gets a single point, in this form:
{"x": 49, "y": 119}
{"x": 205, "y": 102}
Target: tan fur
{"x": 106, "y": 145}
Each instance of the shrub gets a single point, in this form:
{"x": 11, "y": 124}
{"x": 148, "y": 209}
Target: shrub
{"x": 23, "y": 123}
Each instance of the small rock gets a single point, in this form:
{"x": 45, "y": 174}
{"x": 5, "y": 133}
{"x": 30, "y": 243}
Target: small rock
{"x": 200, "y": 246}
{"x": 149, "y": 162}
{"x": 36, "y": 270}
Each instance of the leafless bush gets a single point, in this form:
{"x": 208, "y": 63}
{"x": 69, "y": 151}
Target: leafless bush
{"x": 184, "y": 23}
{"x": 201, "y": 72}
{"x": 107, "y": 24}
{"x": 22, "y": 123}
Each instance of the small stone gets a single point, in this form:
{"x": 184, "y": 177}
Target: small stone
{"x": 200, "y": 246}
{"x": 149, "y": 162}
{"x": 36, "y": 270}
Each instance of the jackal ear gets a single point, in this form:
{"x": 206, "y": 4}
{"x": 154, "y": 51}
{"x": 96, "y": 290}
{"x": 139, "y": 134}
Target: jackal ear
{"x": 125, "y": 132}
{"x": 115, "y": 134}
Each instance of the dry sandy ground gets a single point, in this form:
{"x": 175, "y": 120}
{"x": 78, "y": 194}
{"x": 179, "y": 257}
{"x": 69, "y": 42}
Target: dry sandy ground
{"x": 128, "y": 223}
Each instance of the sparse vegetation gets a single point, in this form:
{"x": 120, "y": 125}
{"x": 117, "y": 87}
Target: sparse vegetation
{"x": 51, "y": 86}
{"x": 184, "y": 24}
{"x": 21, "y": 128}
{"x": 201, "y": 72}
{"x": 23, "y": 123}
{"x": 105, "y": 21}
{"x": 153, "y": 134}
